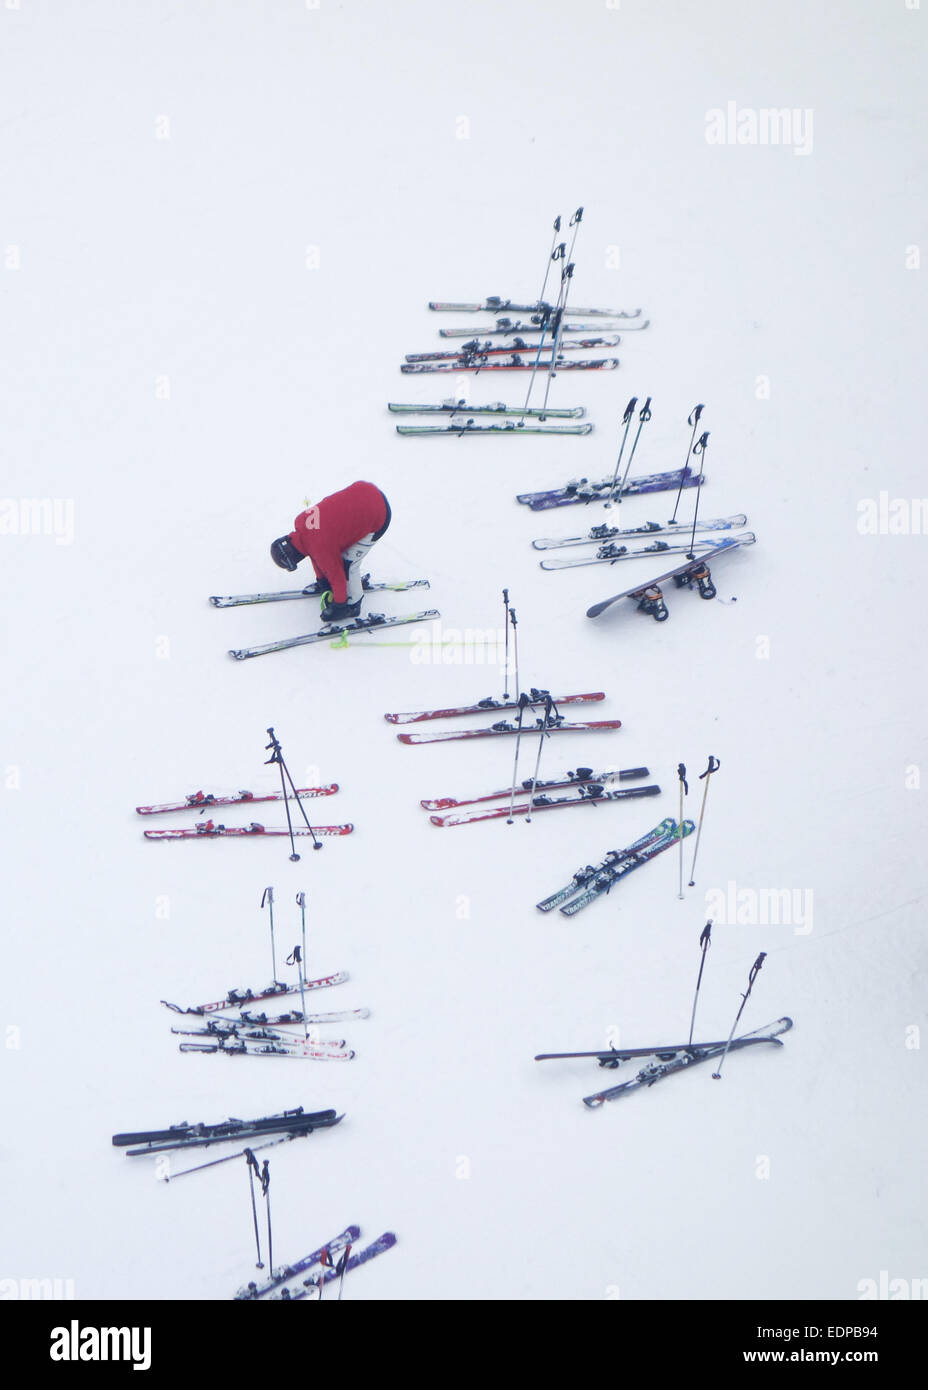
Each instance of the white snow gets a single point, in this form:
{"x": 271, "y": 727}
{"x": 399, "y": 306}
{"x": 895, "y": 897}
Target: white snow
{"x": 222, "y": 226}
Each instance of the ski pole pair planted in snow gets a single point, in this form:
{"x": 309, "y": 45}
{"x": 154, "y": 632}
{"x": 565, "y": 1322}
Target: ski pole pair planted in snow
{"x": 297, "y": 956}
{"x": 704, "y": 940}
{"x": 277, "y": 757}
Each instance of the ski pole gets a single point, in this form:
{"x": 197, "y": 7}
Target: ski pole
{"x": 566, "y": 277}
{"x": 268, "y": 897}
{"x": 714, "y": 766}
{"x": 548, "y": 262}
{"x": 626, "y": 421}
{"x": 644, "y": 416}
{"x": 277, "y": 757}
{"x": 543, "y": 734}
{"x": 692, "y": 419}
{"x": 699, "y": 449}
{"x": 523, "y": 703}
{"x": 716, "y": 1075}
{"x": 301, "y": 902}
{"x": 284, "y": 1139}
{"x": 704, "y": 943}
{"x": 341, "y": 1269}
{"x": 296, "y": 958}
{"x": 556, "y": 255}
{"x": 252, "y": 1163}
{"x": 684, "y": 791}
{"x": 506, "y": 660}
{"x": 515, "y": 647}
{"x": 265, "y": 1188}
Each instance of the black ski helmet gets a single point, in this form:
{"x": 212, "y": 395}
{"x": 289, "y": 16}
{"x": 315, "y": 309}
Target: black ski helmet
{"x": 285, "y": 554}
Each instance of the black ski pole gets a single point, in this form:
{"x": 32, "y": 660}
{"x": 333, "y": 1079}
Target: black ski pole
{"x": 693, "y": 419}
{"x": 626, "y": 421}
{"x": 268, "y": 897}
{"x": 704, "y": 943}
{"x": 644, "y": 416}
{"x": 684, "y": 791}
{"x": 714, "y": 766}
{"x": 543, "y": 734}
{"x": 266, "y": 1189}
{"x": 515, "y": 647}
{"x": 341, "y": 1269}
{"x": 716, "y": 1075}
{"x": 506, "y": 659}
{"x": 699, "y": 449}
{"x": 523, "y": 702}
{"x": 253, "y": 1168}
{"x": 277, "y": 757}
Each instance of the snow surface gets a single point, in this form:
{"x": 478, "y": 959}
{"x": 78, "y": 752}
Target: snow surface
{"x": 175, "y": 368}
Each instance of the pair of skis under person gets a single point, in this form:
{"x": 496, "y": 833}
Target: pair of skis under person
{"x": 335, "y": 535}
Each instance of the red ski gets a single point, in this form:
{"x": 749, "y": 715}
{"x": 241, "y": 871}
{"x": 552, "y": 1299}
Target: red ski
{"x": 208, "y": 830}
{"x": 523, "y": 808}
{"x": 202, "y": 801}
{"x": 237, "y": 997}
{"x": 538, "y": 697}
{"x": 500, "y": 730}
{"x": 581, "y": 777}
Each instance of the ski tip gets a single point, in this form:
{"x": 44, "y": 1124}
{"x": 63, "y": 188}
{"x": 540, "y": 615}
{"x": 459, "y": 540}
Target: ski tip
{"x": 593, "y": 612}
{"x": 592, "y": 1102}
{"x": 392, "y": 718}
{"x": 238, "y": 656}
{"x": 215, "y": 600}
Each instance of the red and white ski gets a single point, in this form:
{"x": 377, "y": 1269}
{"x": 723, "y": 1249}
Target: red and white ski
{"x": 581, "y": 777}
{"x": 483, "y": 364}
{"x": 489, "y": 705}
{"x": 237, "y": 997}
{"x": 209, "y": 831}
{"x": 202, "y": 801}
{"x": 500, "y": 730}
{"x": 544, "y": 804}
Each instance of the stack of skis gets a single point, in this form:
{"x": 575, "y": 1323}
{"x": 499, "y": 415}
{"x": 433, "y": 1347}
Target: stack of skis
{"x": 549, "y": 722}
{"x": 541, "y": 343}
{"x": 321, "y": 1267}
{"x": 594, "y": 881}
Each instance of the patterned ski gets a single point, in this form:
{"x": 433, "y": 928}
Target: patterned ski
{"x": 608, "y": 533}
{"x": 335, "y": 633}
{"x": 238, "y": 600}
{"x": 584, "y": 798}
{"x": 285, "y": 1272}
{"x": 502, "y": 729}
{"x": 518, "y": 364}
{"x": 607, "y": 880}
{"x": 459, "y": 426}
{"x": 208, "y": 831}
{"x": 204, "y": 801}
{"x": 581, "y": 777}
{"x": 313, "y": 1287}
{"x": 689, "y": 1057}
{"x": 494, "y": 304}
{"x": 586, "y": 875}
{"x": 612, "y": 554}
{"x": 237, "y": 997}
{"x": 475, "y": 348}
{"x": 455, "y": 407}
{"x": 488, "y": 705}
{"x": 648, "y": 596}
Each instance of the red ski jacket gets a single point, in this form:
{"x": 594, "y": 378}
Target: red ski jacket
{"x": 329, "y": 527}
